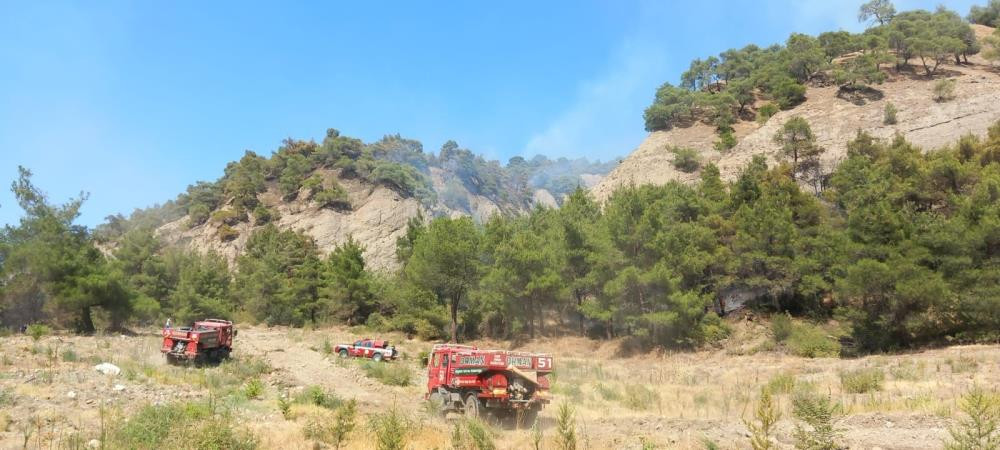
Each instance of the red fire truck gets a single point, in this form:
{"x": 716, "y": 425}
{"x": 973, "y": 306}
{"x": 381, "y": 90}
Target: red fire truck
{"x": 203, "y": 341}
{"x": 481, "y": 383}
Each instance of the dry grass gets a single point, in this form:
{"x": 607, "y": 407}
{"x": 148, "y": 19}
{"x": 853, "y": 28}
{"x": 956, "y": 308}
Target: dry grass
{"x": 680, "y": 400}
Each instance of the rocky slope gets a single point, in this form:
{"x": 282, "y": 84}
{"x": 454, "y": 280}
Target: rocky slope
{"x": 377, "y": 218}
{"x": 834, "y": 121}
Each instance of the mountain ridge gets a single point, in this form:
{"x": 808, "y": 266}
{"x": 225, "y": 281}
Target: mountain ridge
{"x": 342, "y": 188}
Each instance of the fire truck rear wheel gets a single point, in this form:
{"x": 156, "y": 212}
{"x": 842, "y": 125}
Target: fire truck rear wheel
{"x": 473, "y": 407}
{"x": 343, "y": 353}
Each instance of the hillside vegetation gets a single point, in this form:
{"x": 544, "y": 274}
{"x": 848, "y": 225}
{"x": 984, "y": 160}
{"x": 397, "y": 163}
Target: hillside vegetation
{"x": 899, "y": 248}
{"x": 723, "y": 89}
{"x": 837, "y": 108}
{"x": 311, "y": 171}
{"x": 342, "y": 188}
{"x": 894, "y": 244}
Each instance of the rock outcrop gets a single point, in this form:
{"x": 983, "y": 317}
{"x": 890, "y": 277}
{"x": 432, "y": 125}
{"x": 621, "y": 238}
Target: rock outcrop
{"x": 378, "y": 217}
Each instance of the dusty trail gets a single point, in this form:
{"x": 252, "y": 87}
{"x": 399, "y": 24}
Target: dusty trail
{"x": 301, "y": 365}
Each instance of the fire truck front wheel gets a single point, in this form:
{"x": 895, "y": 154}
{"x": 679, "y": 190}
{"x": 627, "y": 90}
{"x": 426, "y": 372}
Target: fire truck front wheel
{"x": 473, "y": 407}
{"x": 377, "y": 357}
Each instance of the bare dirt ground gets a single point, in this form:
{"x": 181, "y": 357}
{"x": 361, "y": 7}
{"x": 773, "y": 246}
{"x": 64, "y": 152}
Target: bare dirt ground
{"x": 49, "y": 390}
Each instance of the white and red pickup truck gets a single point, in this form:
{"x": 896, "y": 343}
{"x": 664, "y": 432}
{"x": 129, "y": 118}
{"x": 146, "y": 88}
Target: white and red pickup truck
{"x": 376, "y": 349}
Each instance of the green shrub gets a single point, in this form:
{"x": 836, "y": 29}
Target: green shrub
{"x": 313, "y": 184}
{"x": 565, "y": 427}
{"x": 811, "y": 341}
{"x": 608, "y": 392}
{"x": 333, "y": 196}
{"x": 37, "y": 331}
{"x": 263, "y": 215}
{"x": 7, "y": 399}
{"x": 69, "y": 355}
{"x": 788, "y": 93}
{"x": 315, "y": 395}
{"x": 944, "y": 90}
{"x": 727, "y": 140}
{"x": 889, "y": 116}
{"x": 180, "y": 425}
{"x": 862, "y": 381}
{"x": 963, "y": 364}
{"x": 980, "y": 428}
{"x": 472, "y": 434}
{"x": 781, "y": 327}
{"x": 198, "y": 214}
{"x": 766, "y": 111}
{"x": 537, "y": 436}
{"x": 227, "y": 233}
{"x": 908, "y": 370}
{"x": 640, "y": 397}
{"x": 818, "y": 413}
{"x": 391, "y": 429}
{"x": 333, "y": 432}
{"x": 226, "y": 216}
{"x": 246, "y": 368}
{"x": 781, "y": 383}
{"x": 766, "y": 415}
{"x": 570, "y": 390}
{"x": 685, "y": 159}
{"x": 285, "y": 406}
{"x": 253, "y": 389}
{"x": 390, "y": 374}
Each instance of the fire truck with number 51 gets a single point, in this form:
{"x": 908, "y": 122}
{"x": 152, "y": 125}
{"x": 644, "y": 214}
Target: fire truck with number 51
{"x": 488, "y": 383}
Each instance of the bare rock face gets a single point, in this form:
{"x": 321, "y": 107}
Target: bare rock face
{"x": 835, "y": 121}
{"x": 544, "y": 198}
{"x": 377, "y": 218}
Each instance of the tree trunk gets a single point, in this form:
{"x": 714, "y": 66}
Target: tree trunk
{"x": 454, "y": 319}
{"x": 86, "y": 324}
{"x": 579, "y": 304}
{"x": 795, "y": 163}
{"x": 541, "y": 318}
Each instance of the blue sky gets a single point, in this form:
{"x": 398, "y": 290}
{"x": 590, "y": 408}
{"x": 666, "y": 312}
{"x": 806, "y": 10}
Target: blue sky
{"x": 133, "y": 101}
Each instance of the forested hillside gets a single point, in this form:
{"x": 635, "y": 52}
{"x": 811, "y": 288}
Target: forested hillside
{"x": 897, "y": 245}
{"x": 901, "y": 248}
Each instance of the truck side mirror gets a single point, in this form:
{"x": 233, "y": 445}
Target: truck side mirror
{"x": 235, "y": 332}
